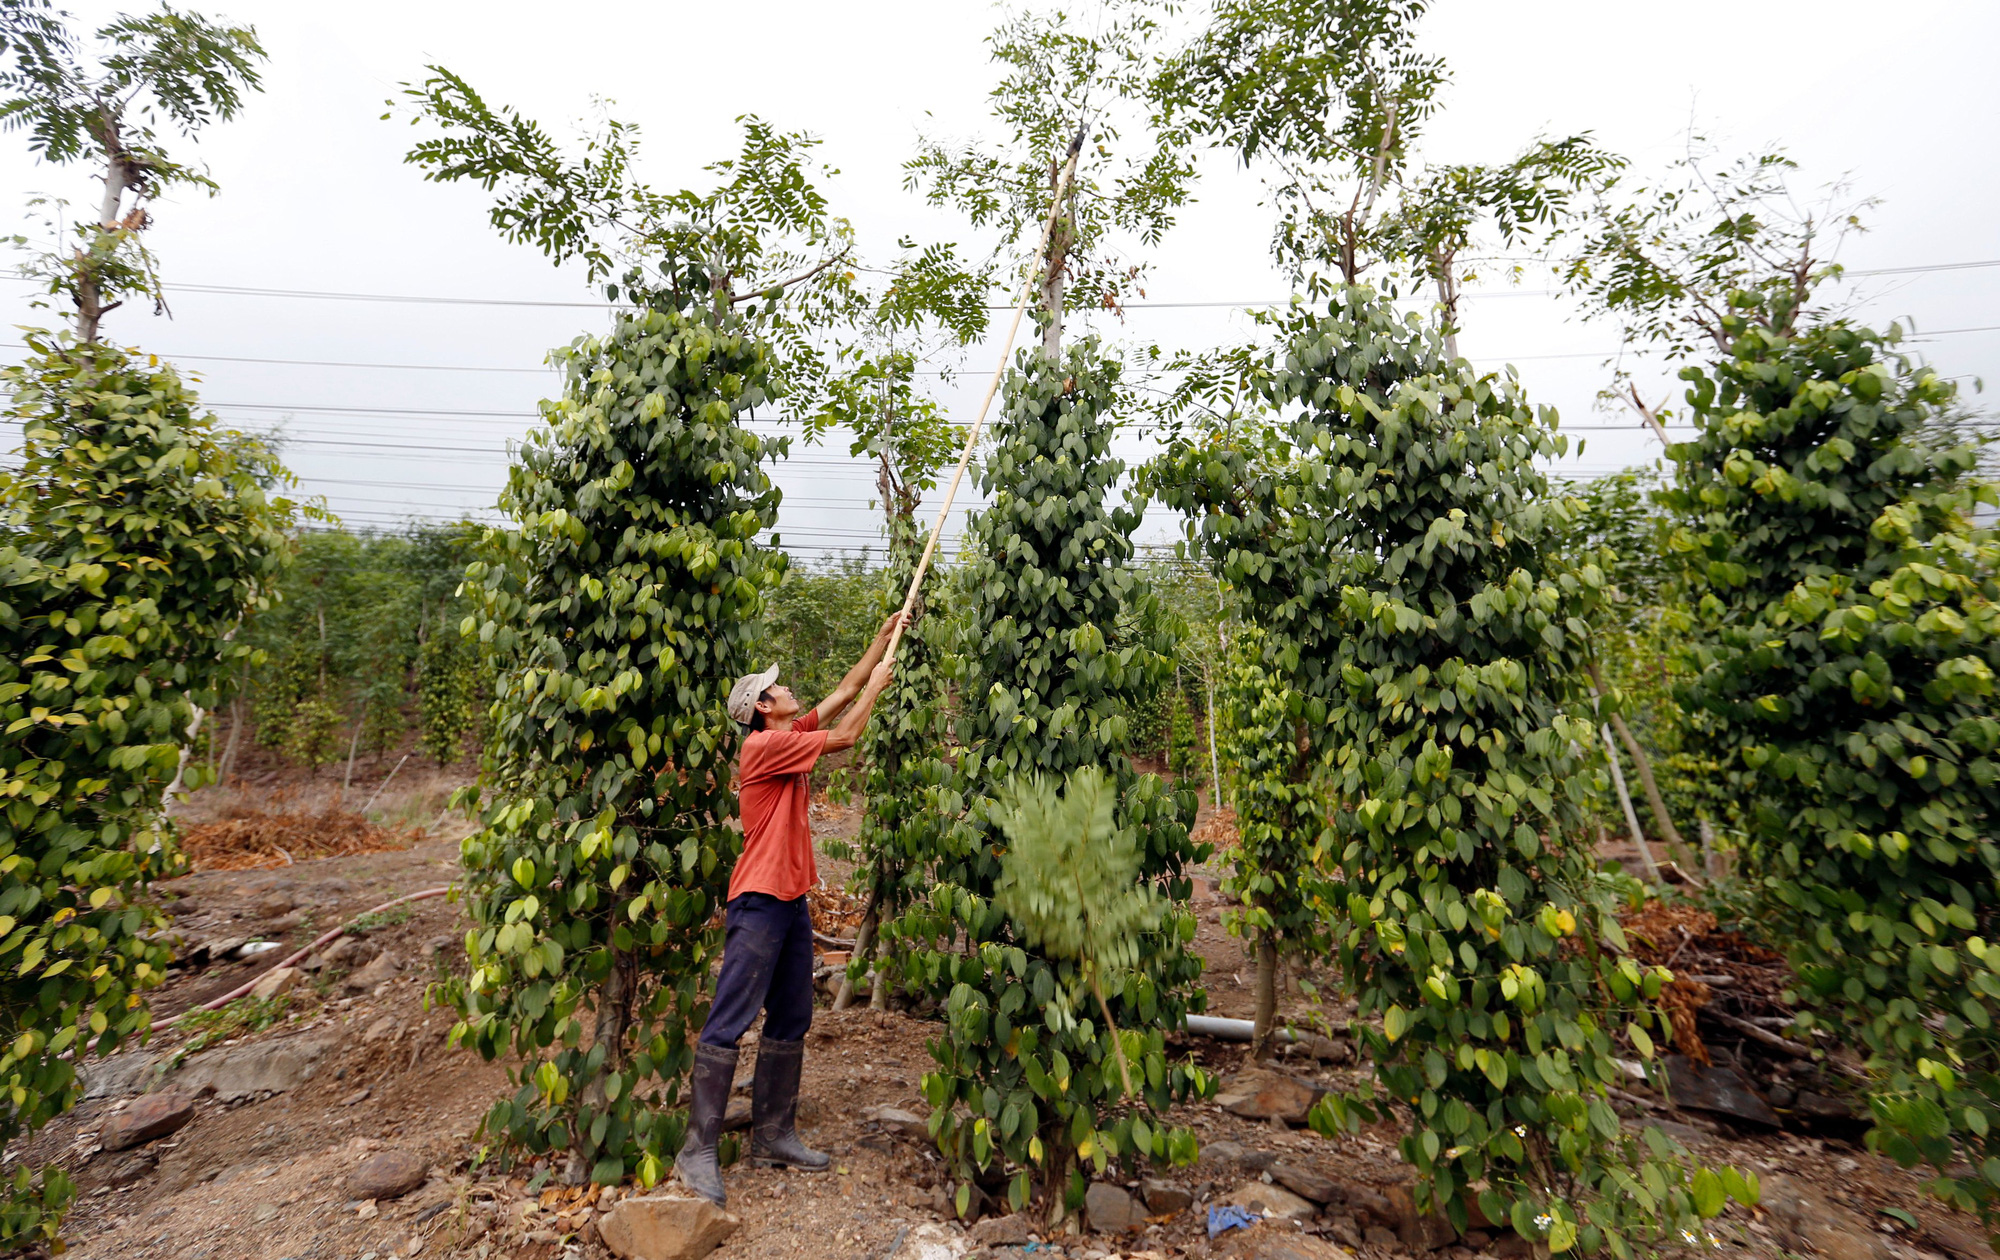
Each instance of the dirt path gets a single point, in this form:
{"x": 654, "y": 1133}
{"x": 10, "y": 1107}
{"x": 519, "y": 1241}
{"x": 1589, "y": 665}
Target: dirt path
{"x": 356, "y": 1068}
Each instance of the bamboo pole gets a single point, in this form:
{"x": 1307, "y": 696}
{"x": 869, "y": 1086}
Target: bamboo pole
{"x": 992, "y": 388}
{"x": 1625, "y": 803}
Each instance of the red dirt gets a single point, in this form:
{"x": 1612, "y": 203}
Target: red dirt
{"x": 263, "y": 1177}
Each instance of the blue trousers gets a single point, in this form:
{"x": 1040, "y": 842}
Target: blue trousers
{"x": 767, "y": 965}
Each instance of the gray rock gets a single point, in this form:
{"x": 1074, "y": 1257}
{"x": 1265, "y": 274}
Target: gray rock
{"x": 1228, "y": 1152}
{"x": 657, "y": 1227}
{"x": 1806, "y": 1221}
{"x": 275, "y": 981}
{"x": 896, "y": 1120}
{"x": 1004, "y": 1231}
{"x": 1260, "y": 1093}
{"x": 119, "y": 1075}
{"x": 1164, "y": 1197}
{"x": 275, "y": 903}
{"x": 149, "y": 1116}
{"x": 1822, "y": 1106}
{"x": 1304, "y": 1181}
{"x": 387, "y": 1175}
{"x": 1272, "y": 1202}
{"x": 1279, "y": 1242}
{"x": 130, "y": 1168}
{"x": 1722, "y": 1091}
{"x": 260, "y": 1067}
{"x": 383, "y": 968}
{"x": 1110, "y": 1210}
{"x": 736, "y": 1115}
{"x": 1956, "y": 1240}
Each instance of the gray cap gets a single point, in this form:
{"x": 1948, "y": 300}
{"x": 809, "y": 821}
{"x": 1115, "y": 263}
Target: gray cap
{"x": 743, "y": 696}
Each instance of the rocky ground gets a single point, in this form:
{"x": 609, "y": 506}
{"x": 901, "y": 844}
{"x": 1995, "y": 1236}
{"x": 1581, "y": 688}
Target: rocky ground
{"x": 337, "y": 1123}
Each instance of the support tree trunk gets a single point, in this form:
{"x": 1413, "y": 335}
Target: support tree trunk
{"x": 1053, "y": 278}
{"x": 228, "y": 761}
{"x": 1447, "y": 287}
{"x": 1656, "y": 803}
{"x": 864, "y": 946}
{"x": 1261, "y": 1038}
{"x": 614, "y": 1021}
{"x": 1625, "y": 803}
{"x": 118, "y": 178}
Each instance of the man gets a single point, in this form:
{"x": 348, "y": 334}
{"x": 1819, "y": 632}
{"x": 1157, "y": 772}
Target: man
{"x": 767, "y": 950}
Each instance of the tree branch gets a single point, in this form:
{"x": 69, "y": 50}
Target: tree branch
{"x": 803, "y": 276}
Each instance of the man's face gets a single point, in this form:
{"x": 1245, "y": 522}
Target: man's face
{"x": 777, "y": 702}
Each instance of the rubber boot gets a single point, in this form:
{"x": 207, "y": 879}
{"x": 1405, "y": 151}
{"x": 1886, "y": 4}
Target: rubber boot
{"x": 714, "y": 1075}
{"x": 774, "y": 1106}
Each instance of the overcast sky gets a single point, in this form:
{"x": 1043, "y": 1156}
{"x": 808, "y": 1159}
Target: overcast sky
{"x": 1901, "y": 102}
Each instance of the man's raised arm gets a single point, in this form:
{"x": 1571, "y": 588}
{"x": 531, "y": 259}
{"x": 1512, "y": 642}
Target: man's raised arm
{"x": 848, "y": 733}
{"x": 850, "y": 686}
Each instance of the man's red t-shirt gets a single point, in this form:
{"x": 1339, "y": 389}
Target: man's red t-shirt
{"x": 771, "y": 786}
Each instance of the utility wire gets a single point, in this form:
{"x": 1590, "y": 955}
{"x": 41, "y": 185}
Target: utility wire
{"x": 439, "y": 300}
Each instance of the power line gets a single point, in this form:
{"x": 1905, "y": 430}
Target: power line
{"x": 231, "y": 290}
{"x": 171, "y": 357}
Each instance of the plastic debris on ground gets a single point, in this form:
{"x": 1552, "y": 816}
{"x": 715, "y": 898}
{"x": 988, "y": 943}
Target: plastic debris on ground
{"x": 1223, "y": 1217}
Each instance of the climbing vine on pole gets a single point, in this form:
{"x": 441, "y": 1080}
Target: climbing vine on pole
{"x": 137, "y": 536}
{"x": 905, "y": 768}
{"x": 624, "y": 603}
{"x": 1846, "y": 640}
{"x": 1408, "y": 575}
{"x": 1027, "y": 1092}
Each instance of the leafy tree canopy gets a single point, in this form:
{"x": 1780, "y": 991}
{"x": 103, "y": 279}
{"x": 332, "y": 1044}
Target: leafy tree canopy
{"x": 165, "y": 70}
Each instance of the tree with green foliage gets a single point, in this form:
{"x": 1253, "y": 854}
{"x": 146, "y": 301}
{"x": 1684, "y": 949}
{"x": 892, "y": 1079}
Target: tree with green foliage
{"x": 1062, "y": 71}
{"x": 763, "y": 228}
{"x": 1844, "y": 593}
{"x": 1331, "y": 100}
{"x": 365, "y": 624}
{"x": 1639, "y": 629}
{"x": 1070, "y": 884}
{"x": 172, "y": 67}
{"x": 623, "y": 604}
{"x": 1401, "y": 548}
{"x": 1027, "y": 1088}
{"x": 135, "y": 537}
{"x": 904, "y": 775}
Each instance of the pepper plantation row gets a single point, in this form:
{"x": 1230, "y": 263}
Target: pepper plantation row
{"x": 361, "y": 655}
{"x": 1417, "y": 669}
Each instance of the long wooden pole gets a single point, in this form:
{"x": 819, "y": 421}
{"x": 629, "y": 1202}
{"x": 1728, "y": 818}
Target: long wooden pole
{"x": 992, "y": 388}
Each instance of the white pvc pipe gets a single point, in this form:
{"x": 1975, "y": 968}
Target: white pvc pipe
{"x": 1232, "y": 1029}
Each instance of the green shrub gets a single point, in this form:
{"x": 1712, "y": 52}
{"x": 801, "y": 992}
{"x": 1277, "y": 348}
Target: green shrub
{"x": 1027, "y": 1086}
{"x": 446, "y": 680}
{"x": 1396, "y": 541}
{"x": 1845, "y": 654}
{"x": 309, "y": 736}
{"x": 619, "y": 612}
{"x": 135, "y": 535}
{"x": 901, "y": 753}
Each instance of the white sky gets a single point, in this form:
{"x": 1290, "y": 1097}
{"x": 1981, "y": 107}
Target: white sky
{"x": 315, "y": 197}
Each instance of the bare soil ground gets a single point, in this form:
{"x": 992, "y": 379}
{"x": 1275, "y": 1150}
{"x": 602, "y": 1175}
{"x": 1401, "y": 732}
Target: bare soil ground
{"x": 262, "y": 1171}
